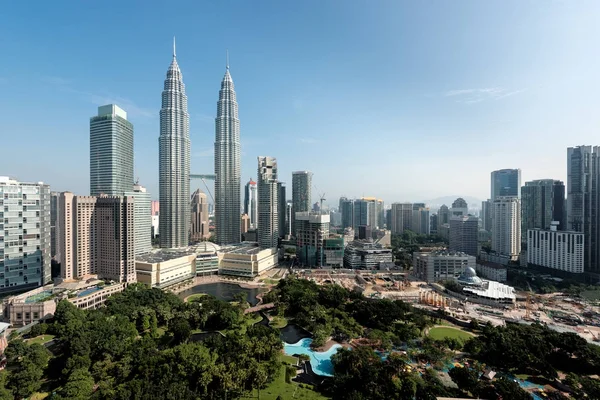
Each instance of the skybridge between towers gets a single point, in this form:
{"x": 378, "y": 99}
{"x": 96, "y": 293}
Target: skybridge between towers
{"x": 203, "y": 178}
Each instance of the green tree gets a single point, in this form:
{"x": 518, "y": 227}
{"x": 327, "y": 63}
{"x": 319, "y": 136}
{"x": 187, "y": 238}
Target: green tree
{"x": 465, "y": 378}
{"x": 79, "y": 386}
{"x": 26, "y": 379}
{"x": 181, "y": 330}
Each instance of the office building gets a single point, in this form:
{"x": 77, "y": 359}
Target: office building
{"x": 363, "y": 212}
{"x": 388, "y": 219}
{"x": 506, "y": 227}
{"x": 174, "y": 161}
{"x": 459, "y": 208}
{"x": 313, "y": 229}
{"x": 361, "y": 254}
{"x": 486, "y": 215}
{"x": 443, "y": 215}
{"x": 268, "y": 205}
{"x": 245, "y": 221}
{"x": 376, "y": 213}
{"x": 583, "y": 170}
{"x": 97, "y": 237}
{"x": 247, "y": 259}
{"x": 464, "y": 234}
{"x": 401, "y": 217}
{"x": 281, "y": 204}
{"x": 561, "y": 250}
{"x": 347, "y": 211}
{"x": 441, "y": 265}
{"x": 506, "y": 183}
{"x": 301, "y": 194}
{"x": 365, "y": 232}
{"x": 542, "y": 202}
{"x": 433, "y": 224}
{"x": 143, "y": 219}
{"x": 420, "y": 219}
{"x": 111, "y": 152}
{"x": 336, "y": 218}
{"x": 162, "y": 268}
{"x": 53, "y": 222}
{"x": 251, "y": 203}
{"x": 199, "y": 227}
{"x": 25, "y": 235}
{"x": 288, "y": 219}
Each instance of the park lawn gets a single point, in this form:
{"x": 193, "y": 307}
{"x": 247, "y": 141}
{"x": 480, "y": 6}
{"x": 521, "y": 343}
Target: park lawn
{"x": 39, "y": 396}
{"x": 195, "y": 296}
{"x": 42, "y": 339}
{"x": 441, "y": 332}
{"x": 286, "y": 390}
{"x": 288, "y": 359}
{"x": 278, "y": 322}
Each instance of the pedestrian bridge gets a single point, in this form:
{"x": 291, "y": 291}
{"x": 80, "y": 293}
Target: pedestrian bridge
{"x": 259, "y": 307}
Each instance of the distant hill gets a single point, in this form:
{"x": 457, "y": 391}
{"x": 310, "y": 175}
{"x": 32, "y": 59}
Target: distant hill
{"x": 434, "y": 204}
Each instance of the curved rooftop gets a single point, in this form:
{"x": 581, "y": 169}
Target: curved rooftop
{"x": 207, "y": 247}
{"x": 469, "y": 277}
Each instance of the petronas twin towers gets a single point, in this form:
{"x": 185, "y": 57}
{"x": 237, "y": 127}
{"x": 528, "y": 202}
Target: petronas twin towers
{"x": 174, "y": 163}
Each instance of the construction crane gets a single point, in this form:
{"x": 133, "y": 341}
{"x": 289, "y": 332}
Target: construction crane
{"x": 321, "y": 199}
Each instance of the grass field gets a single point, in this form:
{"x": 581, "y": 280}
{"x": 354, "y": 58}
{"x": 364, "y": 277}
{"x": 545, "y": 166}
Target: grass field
{"x": 278, "y": 322}
{"x": 194, "y": 296}
{"x": 289, "y": 359}
{"x": 286, "y": 390}
{"x": 440, "y": 332}
{"x": 591, "y": 295}
{"x": 42, "y": 339}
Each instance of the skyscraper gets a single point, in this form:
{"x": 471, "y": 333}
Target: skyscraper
{"x": 143, "y": 218}
{"x": 401, "y": 217}
{"x": 506, "y": 226}
{"x": 459, "y": 208}
{"x": 199, "y": 228}
{"x": 486, "y": 215}
{"x": 301, "y": 194}
{"x": 443, "y": 215}
{"x": 25, "y": 236}
{"x": 111, "y": 152}
{"x": 268, "y": 205}
{"x": 583, "y": 171}
{"x": 227, "y": 164}
{"x": 542, "y": 201}
{"x": 250, "y": 202}
{"x": 506, "y": 182}
{"x": 347, "y": 211}
{"x": 174, "y": 161}
{"x": 463, "y": 234}
{"x": 281, "y": 201}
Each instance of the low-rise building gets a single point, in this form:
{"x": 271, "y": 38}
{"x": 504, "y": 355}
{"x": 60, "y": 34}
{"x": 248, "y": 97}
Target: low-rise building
{"x": 334, "y": 252}
{"x": 247, "y": 260}
{"x": 361, "y": 254}
{"x": 165, "y": 267}
{"x": 491, "y": 271}
{"x": 441, "y": 265}
{"x": 207, "y": 258}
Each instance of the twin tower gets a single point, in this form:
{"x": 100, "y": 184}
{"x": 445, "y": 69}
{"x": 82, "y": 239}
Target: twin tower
{"x": 174, "y": 162}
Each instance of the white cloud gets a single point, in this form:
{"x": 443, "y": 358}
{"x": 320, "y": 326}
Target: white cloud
{"x": 472, "y": 96}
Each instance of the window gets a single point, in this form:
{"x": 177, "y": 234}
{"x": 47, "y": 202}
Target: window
{"x": 19, "y": 316}
{"x": 27, "y": 316}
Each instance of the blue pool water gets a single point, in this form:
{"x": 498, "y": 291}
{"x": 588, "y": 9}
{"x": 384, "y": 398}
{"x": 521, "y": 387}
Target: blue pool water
{"x": 320, "y": 362}
{"x": 88, "y": 291}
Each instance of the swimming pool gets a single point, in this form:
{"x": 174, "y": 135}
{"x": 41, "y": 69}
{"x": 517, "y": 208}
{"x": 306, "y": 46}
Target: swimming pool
{"x": 319, "y": 361}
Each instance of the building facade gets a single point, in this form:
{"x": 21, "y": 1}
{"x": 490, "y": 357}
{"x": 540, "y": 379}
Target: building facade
{"x": 53, "y": 222}
{"x": 301, "y": 194}
{"x": 313, "y": 229}
{"x": 281, "y": 207}
{"x": 143, "y": 219}
{"x": 506, "y": 227}
{"x": 583, "y": 201}
{"x": 420, "y": 219}
{"x": 251, "y": 203}
{"x": 164, "y": 267}
{"x": 562, "y": 250}
{"x": 464, "y": 232}
{"x": 25, "y": 235}
{"x": 174, "y": 161}
{"x": 486, "y": 215}
{"x": 228, "y": 164}
{"x": 441, "y": 265}
{"x": 268, "y": 205}
{"x": 506, "y": 183}
{"x": 366, "y": 255}
{"x": 199, "y": 228}
{"x": 542, "y": 202}
{"x": 459, "y": 208}
{"x": 111, "y": 152}
{"x": 347, "y": 211}
{"x": 401, "y": 217}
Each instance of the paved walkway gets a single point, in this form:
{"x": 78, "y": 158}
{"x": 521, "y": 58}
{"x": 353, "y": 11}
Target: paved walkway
{"x": 260, "y": 307}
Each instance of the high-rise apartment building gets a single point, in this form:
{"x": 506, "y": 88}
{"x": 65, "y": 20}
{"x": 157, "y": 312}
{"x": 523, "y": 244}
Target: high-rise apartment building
{"x": 268, "y": 205}
{"x": 506, "y": 182}
{"x": 313, "y": 229}
{"x": 443, "y": 215}
{"x": 583, "y": 201}
{"x": 53, "y": 222}
{"x": 281, "y": 204}
{"x": 420, "y": 219}
{"x": 401, "y": 217}
{"x": 25, "y": 235}
{"x": 486, "y": 215}
{"x": 459, "y": 208}
{"x": 464, "y": 232}
{"x": 301, "y": 194}
{"x": 556, "y": 249}
{"x": 227, "y": 164}
{"x": 97, "y": 236}
{"x": 199, "y": 227}
{"x": 506, "y": 226}
{"x": 143, "y": 218}
{"x": 347, "y": 211}
{"x": 375, "y": 212}
{"x": 542, "y": 202}
{"x": 250, "y": 203}
{"x": 363, "y": 212}
{"x": 111, "y": 152}
{"x": 174, "y": 161}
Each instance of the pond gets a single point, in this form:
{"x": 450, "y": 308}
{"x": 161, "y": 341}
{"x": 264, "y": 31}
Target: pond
{"x": 223, "y": 291}
{"x": 293, "y": 333}
{"x": 320, "y": 362}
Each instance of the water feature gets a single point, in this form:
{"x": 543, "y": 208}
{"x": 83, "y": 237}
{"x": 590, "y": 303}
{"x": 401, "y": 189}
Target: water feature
{"x": 320, "y": 362}
{"x": 293, "y": 333}
{"x": 223, "y": 291}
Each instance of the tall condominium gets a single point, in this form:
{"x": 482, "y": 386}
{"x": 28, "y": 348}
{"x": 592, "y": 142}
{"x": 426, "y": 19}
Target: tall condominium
{"x": 281, "y": 204}
{"x": 375, "y": 212}
{"x": 97, "y": 237}
{"x": 143, "y": 218}
{"x": 542, "y": 202}
{"x": 583, "y": 201}
{"x": 347, "y": 211}
{"x": 53, "y": 222}
{"x": 486, "y": 215}
{"x": 25, "y": 237}
{"x": 506, "y": 182}
{"x": 174, "y": 161}
{"x": 364, "y": 212}
{"x": 268, "y": 205}
{"x": 227, "y": 165}
{"x": 464, "y": 232}
{"x": 401, "y": 217}
{"x": 420, "y": 219}
{"x": 562, "y": 250}
{"x": 250, "y": 202}
{"x": 313, "y": 229}
{"x": 506, "y": 226}
{"x": 301, "y": 194}
{"x": 111, "y": 152}
{"x": 199, "y": 227}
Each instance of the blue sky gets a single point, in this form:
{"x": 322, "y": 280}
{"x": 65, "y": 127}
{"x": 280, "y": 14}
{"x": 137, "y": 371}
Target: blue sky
{"x": 401, "y": 100}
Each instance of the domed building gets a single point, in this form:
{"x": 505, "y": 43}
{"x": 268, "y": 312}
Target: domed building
{"x": 469, "y": 278}
{"x": 207, "y": 258}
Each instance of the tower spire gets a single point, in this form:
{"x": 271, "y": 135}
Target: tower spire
{"x": 227, "y": 58}
{"x": 174, "y": 52}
